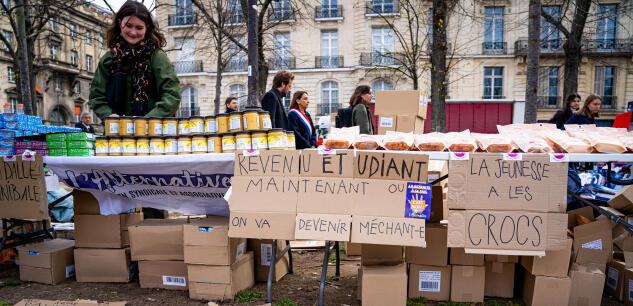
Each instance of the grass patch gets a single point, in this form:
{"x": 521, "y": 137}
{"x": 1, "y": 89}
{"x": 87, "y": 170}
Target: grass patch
{"x": 332, "y": 278}
{"x": 109, "y": 295}
{"x": 419, "y": 301}
{"x": 11, "y": 283}
{"x": 5, "y": 303}
{"x": 247, "y": 296}
{"x": 332, "y": 257}
{"x": 286, "y": 302}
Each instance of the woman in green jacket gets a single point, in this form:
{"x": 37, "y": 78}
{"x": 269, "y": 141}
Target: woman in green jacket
{"x": 134, "y": 78}
{"x": 361, "y": 116}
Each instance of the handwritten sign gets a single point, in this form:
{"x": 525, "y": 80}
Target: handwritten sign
{"x": 315, "y": 164}
{"x": 323, "y": 227}
{"x": 387, "y": 230}
{"x": 262, "y": 225}
{"x": 268, "y": 163}
{"x": 391, "y": 166}
{"x": 23, "y": 188}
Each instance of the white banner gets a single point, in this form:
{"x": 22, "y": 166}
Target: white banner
{"x": 189, "y": 184}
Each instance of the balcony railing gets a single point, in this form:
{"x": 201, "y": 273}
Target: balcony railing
{"x": 548, "y": 47}
{"x": 328, "y": 12}
{"x": 548, "y": 102}
{"x": 60, "y": 65}
{"x": 188, "y": 111}
{"x": 609, "y": 102}
{"x": 325, "y": 109}
{"x": 281, "y": 14}
{"x": 236, "y": 65}
{"x": 328, "y": 61}
{"x": 381, "y": 59}
{"x": 235, "y": 17}
{"x": 494, "y": 48}
{"x": 181, "y": 19}
{"x": 279, "y": 63}
{"x": 382, "y": 7}
{"x": 188, "y": 66}
{"x": 608, "y": 46}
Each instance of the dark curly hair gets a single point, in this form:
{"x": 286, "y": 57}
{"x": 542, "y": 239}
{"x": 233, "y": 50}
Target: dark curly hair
{"x": 138, "y": 10}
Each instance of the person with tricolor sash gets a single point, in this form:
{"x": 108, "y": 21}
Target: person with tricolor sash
{"x": 300, "y": 122}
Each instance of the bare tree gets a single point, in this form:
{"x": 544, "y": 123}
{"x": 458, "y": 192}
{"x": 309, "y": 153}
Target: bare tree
{"x": 534, "y": 48}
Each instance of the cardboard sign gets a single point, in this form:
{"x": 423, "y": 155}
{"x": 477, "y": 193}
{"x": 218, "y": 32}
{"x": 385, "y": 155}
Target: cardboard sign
{"x": 264, "y": 193}
{"x": 262, "y": 225}
{"x": 23, "y": 188}
{"x": 269, "y": 163}
{"x": 323, "y": 227}
{"x": 387, "y": 230}
{"x": 381, "y": 198}
{"x": 320, "y": 195}
{"x": 340, "y": 164}
{"x": 486, "y": 181}
{"x": 391, "y": 166}
{"x": 507, "y": 230}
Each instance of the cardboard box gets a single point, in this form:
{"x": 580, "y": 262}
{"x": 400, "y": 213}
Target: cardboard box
{"x": 352, "y": 249}
{"x": 387, "y": 230}
{"x": 386, "y": 123}
{"x": 501, "y": 258}
{"x": 628, "y": 287}
{"x": 587, "y": 283}
{"x": 385, "y": 165}
{"x": 267, "y": 163}
{"x": 376, "y": 254}
{"x": 437, "y": 169}
{"x": 263, "y": 225}
{"x": 102, "y": 265}
{"x": 431, "y": 282}
{"x": 545, "y": 290}
{"x": 384, "y": 285}
{"x": 487, "y": 181}
{"x": 409, "y": 124}
{"x": 85, "y": 203}
{"x": 221, "y": 282}
{"x": 439, "y": 205}
{"x": 157, "y": 239}
{"x": 615, "y": 284}
{"x": 336, "y": 163}
{"x": 359, "y": 289}
{"x": 97, "y": 231}
{"x": 623, "y": 200}
{"x": 330, "y": 227}
{"x": 206, "y": 242}
{"x": 593, "y": 242}
{"x": 499, "y": 279}
{"x": 467, "y": 283}
{"x": 49, "y": 262}
{"x": 162, "y": 274}
{"x": 507, "y": 230}
{"x": 554, "y": 263}
{"x": 436, "y": 251}
{"x": 396, "y": 102}
{"x": 262, "y": 251}
{"x": 26, "y": 175}
{"x": 460, "y": 257}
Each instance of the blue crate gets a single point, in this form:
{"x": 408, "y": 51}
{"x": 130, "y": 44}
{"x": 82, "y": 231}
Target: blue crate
{"x": 6, "y": 151}
{"x": 7, "y": 143}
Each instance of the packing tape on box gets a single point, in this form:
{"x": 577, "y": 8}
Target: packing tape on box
{"x": 468, "y": 271}
{"x": 497, "y": 267}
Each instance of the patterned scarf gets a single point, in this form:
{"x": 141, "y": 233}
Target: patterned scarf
{"x": 137, "y": 59}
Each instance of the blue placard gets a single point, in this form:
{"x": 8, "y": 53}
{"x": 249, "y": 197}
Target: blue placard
{"x": 418, "y": 201}
{"x": 206, "y": 229}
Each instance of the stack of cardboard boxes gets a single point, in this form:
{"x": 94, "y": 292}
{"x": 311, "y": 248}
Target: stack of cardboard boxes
{"x": 429, "y": 271}
{"x": 401, "y": 111}
{"x": 382, "y": 275}
{"x": 49, "y": 262}
{"x": 263, "y": 252}
{"x": 217, "y": 266}
{"x": 619, "y": 270}
{"x": 102, "y": 251}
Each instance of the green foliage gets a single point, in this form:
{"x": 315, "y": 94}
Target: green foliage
{"x": 419, "y": 301}
{"x": 109, "y": 295}
{"x": 332, "y": 278}
{"x": 247, "y": 296}
{"x": 11, "y": 283}
{"x": 286, "y": 302}
{"x": 5, "y": 303}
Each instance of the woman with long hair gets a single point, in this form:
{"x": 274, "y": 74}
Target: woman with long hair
{"x": 572, "y": 104}
{"x": 589, "y": 111}
{"x": 135, "y": 77}
{"x": 361, "y": 116}
{"x": 300, "y": 121}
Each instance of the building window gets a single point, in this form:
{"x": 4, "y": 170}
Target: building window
{"x": 607, "y": 26}
{"x": 101, "y": 41}
{"x": 329, "y": 9}
{"x": 383, "y": 46}
{"x": 184, "y": 12}
{"x": 7, "y": 5}
{"x": 88, "y": 37}
{"x": 282, "y": 10}
{"x": 238, "y": 91}
{"x": 548, "y": 87}
{"x": 9, "y": 37}
{"x": 381, "y": 7}
{"x": 605, "y": 85}
{"x": 10, "y": 74}
{"x": 550, "y": 36}
{"x": 282, "y": 51}
{"x": 89, "y": 63}
{"x": 73, "y": 57}
{"x": 380, "y": 85}
{"x": 329, "y": 49}
{"x": 235, "y": 12}
{"x": 58, "y": 84}
{"x": 12, "y": 106}
{"x": 329, "y": 98}
{"x": 493, "y": 29}
{"x": 493, "y": 83}
{"x": 57, "y": 117}
{"x": 73, "y": 30}
{"x": 189, "y": 103}
{"x": 237, "y": 55}
{"x": 54, "y": 51}
{"x": 77, "y": 88}
{"x": 53, "y": 24}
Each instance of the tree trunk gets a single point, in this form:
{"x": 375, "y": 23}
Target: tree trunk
{"x": 218, "y": 76}
{"x": 573, "y": 46}
{"x": 531, "y": 88}
{"x": 23, "y": 58}
{"x": 438, "y": 67}
{"x": 254, "y": 41}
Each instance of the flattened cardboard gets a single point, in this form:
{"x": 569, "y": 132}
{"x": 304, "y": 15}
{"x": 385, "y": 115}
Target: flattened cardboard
{"x": 166, "y": 274}
{"x": 587, "y": 283}
{"x": 436, "y": 251}
{"x": 501, "y": 258}
{"x": 507, "y": 230}
{"x": 339, "y": 163}
{"x": 554, "y": 263}
{"x": 499, "y": 279}
{"x": 623, "y": 200}
{"x": 376, "y": 254}
{"x": 467, "y": 283}
{"x": 384, "y": 285}
{"x": 102, "y": 265}
{"x": 460, "y": 257}
{"x": 262, "y": 225}
{"x": 405, "y": 102}
{"x": 268, "y": 163}
{"x": 262, "y": 250}
{"x": 545, "y": 290}
{"x": 264, "y": 193}
{"x": 157, "y": 239}
{"x": 49, "y": 262}
{"x": 85, "y": 203}
{"x": 221, "y": 282}
{"x": 593, "y": 242}
{"x": 431, "y": 282}
{"x": 97, "y": 231}
{"x": 486, "y": 181}
{"x": 328, "y": 195}
{"x": 323, "y": 227}
{"x": 385, "y": 165}
{"x": 386, "y": 230}
{"x": 386, "y": 123}
{"x": 381, "y": 198}
{"x": 23, "y": 188}
{"x": 215, "y": 255}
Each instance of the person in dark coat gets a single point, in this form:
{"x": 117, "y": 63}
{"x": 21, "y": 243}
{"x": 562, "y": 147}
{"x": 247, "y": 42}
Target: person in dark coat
{"x": 231, "y": 105}
{"x": 588, "y": 113}
{"x": 361, "y": 116}
{"x": 84, "y": 123}
{"x": 272, "y": 100}
{"x": 572, "y": 104}
{"x": 300, "y": 122}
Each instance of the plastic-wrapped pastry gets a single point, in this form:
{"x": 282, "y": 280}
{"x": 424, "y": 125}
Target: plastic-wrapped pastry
{"x": 341, "y": 138}
{"x": 493, "y": 143}
{"x": 336, "y": 144}
{"x": 563, "y": 143}
{"x": 529, "y": 144}
{"x": 366, "y": 142}
{"x": 430, "y": 142}
{"x": 460, "y": 142}
{"x": 396, "y": 141}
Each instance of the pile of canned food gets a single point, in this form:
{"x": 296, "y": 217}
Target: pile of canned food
{"x": 222, "y": 133}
